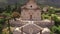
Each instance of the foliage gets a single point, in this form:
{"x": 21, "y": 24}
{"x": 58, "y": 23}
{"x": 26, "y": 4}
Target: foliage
{"x": 8, "y": 9}
{"x": 55, "y": 29}
{"x": 15, "y": 15}
{"x": 56, "y": 18}
{"x": 2, "y": 22}
{"x": 7, "y": 18}
{"x": 51, "y": 11}
{"x": 46, "y": 16}
{"x": 9, "y": 14}
{"x": 1, "y": 10}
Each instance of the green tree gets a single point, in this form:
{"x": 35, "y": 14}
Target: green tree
{"x": 2, "y": 22}
{"x": 55, "y": 29}
{"x": 8, "y": 17}
{"x": 51, "y": 11}
{"x": 8, "y": 9}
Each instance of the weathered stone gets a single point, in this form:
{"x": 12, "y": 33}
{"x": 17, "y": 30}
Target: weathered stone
{"x": 31, "y": 11}
{"x": 45, "y": 31}
{"x": 31, "y": 28}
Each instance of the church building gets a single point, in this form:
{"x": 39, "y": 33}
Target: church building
{"x": 30, "y": 21}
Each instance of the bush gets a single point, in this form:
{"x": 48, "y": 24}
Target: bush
{"x": 46, "y": 16}
{"x": 55, "y": 29}
{"x": 15, "y": 15}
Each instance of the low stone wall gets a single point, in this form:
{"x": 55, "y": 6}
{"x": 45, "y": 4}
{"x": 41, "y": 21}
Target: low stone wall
{"x": 44, "y": 23}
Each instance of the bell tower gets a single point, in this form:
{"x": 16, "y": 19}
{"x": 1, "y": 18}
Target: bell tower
{"x": 31, "y": 11}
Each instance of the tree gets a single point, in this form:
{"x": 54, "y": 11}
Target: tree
{"x": 55, "y": 29}
{"x": 1, "y": 10}
{"x": 2, "y": 23}
{"x": 15, "y": 15}
{"x": 51, "y": 11}
{"x": 8, "y": 17}
{"x": 8, "y": 9}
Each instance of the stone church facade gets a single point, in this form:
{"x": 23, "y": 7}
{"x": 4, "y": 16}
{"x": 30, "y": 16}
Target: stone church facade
{"x": 30, "y": 21}
{"x": 31, "y": 11}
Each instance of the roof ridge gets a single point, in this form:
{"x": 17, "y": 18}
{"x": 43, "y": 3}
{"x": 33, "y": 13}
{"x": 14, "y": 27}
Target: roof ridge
{"x": 38, "y": 26}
